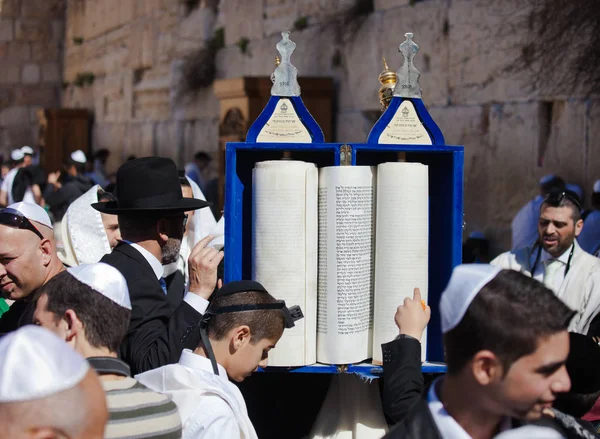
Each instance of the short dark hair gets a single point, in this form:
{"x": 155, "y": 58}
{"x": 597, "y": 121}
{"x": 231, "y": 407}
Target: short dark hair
{"x": 575, "y": 404}
{"x": 104, "y": 321}
{"x": 508, "y": 317}
{"x": 264, "y": 323}
{"x": 564, "y": 198}
{"x": 596, "y": 200}
{"x": 554, "y": 184}
{"x": 105, "y": 197}
{"x": 202, "y": 156}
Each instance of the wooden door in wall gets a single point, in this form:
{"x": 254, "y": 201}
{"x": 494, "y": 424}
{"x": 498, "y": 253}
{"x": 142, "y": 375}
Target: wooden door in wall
{"x": 62, "y": 131}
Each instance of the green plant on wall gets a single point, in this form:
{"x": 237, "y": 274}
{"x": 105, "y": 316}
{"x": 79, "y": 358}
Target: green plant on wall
{"x": 84, "y": 79}
{"x": 243, "y": 44}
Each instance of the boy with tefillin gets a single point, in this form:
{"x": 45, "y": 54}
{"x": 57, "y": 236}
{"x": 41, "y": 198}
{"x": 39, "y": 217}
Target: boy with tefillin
{"x": 241, "y": 325}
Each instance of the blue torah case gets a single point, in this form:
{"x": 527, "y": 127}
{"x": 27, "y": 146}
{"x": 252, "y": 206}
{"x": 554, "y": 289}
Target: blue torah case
{"x": 445, "y": 164}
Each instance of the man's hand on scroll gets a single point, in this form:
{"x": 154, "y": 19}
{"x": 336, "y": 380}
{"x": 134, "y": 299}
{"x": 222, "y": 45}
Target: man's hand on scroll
{"x": 203, "y": 263}
{"x": 413, "y": 316}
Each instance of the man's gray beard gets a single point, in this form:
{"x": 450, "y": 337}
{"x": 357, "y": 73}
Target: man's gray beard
{"x": 170, "y": 251}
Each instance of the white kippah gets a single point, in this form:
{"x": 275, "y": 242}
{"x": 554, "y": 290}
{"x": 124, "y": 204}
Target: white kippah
{"x": 597, "y": 186}
{"x": 27, "y": 150}
{"x": 529, "y": 432}
{"x": 33, "y": 212}
{"x": 16, "y": 155}
{"x": 78, "y": 156}
{"x": 35, "y": 363}
{"x": 465, "y": 283}
{"x": 104, "y": 279}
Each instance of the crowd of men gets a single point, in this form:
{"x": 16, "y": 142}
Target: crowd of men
{"x": 119, "y": 325}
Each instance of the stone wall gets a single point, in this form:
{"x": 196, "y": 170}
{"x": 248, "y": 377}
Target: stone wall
{"x": 31, "y": 37}
{"x": 136, "y": 51}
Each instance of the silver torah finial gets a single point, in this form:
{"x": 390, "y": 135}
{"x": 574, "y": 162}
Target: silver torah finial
{"x": 285, "y": 76}
{"x": 408, "y": 75}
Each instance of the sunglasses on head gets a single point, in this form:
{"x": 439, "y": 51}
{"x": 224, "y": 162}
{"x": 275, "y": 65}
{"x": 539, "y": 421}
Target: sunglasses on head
{"x": 556, "y": 198}
{"x": 13, "y": 218}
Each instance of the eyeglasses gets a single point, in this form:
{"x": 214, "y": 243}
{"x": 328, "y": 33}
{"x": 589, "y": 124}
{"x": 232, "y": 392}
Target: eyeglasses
{"x": 556, "y": 198}
{"x": 13, "y": 218}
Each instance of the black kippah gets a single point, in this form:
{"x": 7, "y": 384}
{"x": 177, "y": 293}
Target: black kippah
{"x": 240, "y": 286}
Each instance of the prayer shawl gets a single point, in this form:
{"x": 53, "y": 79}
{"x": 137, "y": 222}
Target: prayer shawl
{"x": 580, "y": 289}
{"x": 210, "y": 406}
{"x": 83, "y": 235}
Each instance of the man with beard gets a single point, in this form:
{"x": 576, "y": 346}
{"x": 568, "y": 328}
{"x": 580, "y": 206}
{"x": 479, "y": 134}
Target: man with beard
{"x": 152, "y": 220}
{"x": 28, "y": 260}
{"x": 557, "y": 260}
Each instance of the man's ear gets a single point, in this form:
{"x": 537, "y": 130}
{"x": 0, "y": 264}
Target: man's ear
{"x": 162, "y": 230}
{"x": 486, "y": 368}
{"x": 240, "y": 336}
{"x": 47, "y": 252}
{"x": 578, "y": 227}
{"x": 74, "y": 325}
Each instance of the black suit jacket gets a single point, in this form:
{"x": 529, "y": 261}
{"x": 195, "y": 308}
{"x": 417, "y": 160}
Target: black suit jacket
{"x": 157, "y": 334}
{"x": 19, "y": 314}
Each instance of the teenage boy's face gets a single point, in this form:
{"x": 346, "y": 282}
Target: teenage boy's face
{"x": 249, "y": 357}
{"x": 533, "y": 381}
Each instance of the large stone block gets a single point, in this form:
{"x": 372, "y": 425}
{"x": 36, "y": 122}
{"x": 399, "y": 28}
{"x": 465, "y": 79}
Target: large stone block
{"x": 200, "y": 135}
{"x": 361, "y": 65}
{"x": 6, "y": 97}
{"x": 564, "y": 151}
{"x": 49, "y": 51}
{"x": 7, "y": 30}
{"x": 485, "y": 38}
{"x": 242, "y": 19}
{"x": 15, "y": 51}
{"x": 428, "y": 22}
{"x": 352, "y": 126}
{"x": 10, "y": 9}
{"x": 45, "y": 96}
{"x": 11, "y": 74}
{"x": 31, "y": 73}
{"x": 141, "y": 45}
{"x": 166, "y": 139}
{"x": 280, "y": 15}
{"x": 43, "y": 9}
{"x": 139, "y": 140}
{"x": 51, "y": 72}
{"x": 194, "y": 30}
{"x": 33, "y": 30}
{"x": 14, "y": 116}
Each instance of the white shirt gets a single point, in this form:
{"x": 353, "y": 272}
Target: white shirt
{"x": 211, "y": 407}
{"x": 198, "y": 303}
{"x": 7, "y": 185}
{"x": 448, "y": 427}
{"x": 545, "y": 259}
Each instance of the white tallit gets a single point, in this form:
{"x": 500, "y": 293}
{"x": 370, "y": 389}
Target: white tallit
{"x": 351, "y": 410}
{"x": 84, "y": 238}
{"x": 211, "y": 407}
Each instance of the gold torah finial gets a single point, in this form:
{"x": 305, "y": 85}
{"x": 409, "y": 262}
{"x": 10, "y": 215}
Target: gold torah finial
{"x": 277, "y": 61}
{"x": 388, "y": 80}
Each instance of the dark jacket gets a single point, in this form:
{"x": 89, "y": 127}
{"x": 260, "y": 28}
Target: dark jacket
{"x": 175, "y": 289}
{"x": 402, "y": 377}
{"x": 19, "y": 314}
{"x": 418, "y": 424}
{"x": 60, "y": 200}
{"x": 157, "y": 334}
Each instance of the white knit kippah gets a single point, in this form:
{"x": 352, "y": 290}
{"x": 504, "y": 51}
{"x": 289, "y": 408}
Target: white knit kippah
{"x": 35, "y": 363}
{"x": 33, "y": 212}
{"x": 27, "y": 150}
{"x": 78, "y": 156}
{"x": 104, "y": 279}
{"x": 17, "y": 155}
{"x": 465, "y": 283}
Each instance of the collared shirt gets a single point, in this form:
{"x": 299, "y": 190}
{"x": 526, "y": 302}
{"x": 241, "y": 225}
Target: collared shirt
{"x": 545, "y": 259}
{"x": 211, "y": 407}
{"x": 198, "y": 303}
{"x": 446, "y": 424}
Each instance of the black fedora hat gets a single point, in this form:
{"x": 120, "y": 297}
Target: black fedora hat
{"x": 149, "y": 184}
{"x": 583, "y": 364}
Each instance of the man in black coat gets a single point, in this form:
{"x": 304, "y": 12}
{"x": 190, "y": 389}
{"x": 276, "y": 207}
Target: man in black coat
{"x": 506, "y": 343}
{"x": 152, "y": 218}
